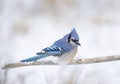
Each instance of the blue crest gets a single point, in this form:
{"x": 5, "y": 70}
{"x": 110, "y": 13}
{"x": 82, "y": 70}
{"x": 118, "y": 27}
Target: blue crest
{"x": 74, "y": 34}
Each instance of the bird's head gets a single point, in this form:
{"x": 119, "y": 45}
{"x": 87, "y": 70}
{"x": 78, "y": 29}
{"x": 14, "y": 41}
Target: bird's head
{"x": 73, "y": 38}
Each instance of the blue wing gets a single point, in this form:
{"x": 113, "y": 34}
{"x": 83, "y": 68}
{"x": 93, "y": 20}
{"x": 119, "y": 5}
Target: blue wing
{"x": 53, "y": 50}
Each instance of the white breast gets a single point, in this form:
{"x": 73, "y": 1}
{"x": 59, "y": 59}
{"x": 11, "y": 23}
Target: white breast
{"x": 67, "y": 57}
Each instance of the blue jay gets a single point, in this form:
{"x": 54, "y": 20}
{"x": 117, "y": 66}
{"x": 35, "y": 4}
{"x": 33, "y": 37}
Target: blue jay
{"x": 64, "y": 48}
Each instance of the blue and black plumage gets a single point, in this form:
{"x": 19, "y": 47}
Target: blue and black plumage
{"x": 64, "y": 48}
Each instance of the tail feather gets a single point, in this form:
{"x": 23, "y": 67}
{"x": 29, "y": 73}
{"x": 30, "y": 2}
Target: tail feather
{"x": 35, "y": 58}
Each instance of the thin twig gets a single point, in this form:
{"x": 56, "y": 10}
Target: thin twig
{"x": 75, "y": 62}
{"x": 97, "y": 59}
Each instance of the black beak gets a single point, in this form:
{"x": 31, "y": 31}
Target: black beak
{"x": 78, "y": 43}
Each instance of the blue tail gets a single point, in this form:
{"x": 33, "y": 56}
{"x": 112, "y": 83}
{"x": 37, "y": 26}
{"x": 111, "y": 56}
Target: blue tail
{"x": 35, "y": 58}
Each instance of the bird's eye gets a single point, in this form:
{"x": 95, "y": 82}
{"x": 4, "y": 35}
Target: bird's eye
{"x": 73, "y": 40}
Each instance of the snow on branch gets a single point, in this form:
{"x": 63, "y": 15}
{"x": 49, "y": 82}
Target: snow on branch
{"x": 74, "y": 62}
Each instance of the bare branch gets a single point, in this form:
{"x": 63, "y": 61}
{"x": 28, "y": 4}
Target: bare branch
{"x": 97, "y": 59}
{"x": 75, "y": 62}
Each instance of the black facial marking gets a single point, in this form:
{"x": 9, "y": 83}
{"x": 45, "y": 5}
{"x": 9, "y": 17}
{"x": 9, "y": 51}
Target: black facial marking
{"x": 74, "y": 40}
{"x": 69, "y": 38}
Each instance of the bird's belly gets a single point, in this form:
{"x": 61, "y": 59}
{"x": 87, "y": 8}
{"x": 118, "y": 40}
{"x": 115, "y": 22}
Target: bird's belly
{"x": 67, "y": 57}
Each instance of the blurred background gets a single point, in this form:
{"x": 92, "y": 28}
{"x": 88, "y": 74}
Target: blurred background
{"x": 27, "y": 26}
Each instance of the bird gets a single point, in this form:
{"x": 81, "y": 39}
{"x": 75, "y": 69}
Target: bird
{"x": 64, "y": 49}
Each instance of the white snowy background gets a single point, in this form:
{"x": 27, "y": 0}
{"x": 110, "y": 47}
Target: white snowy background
{"x": 27, "y": 26}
